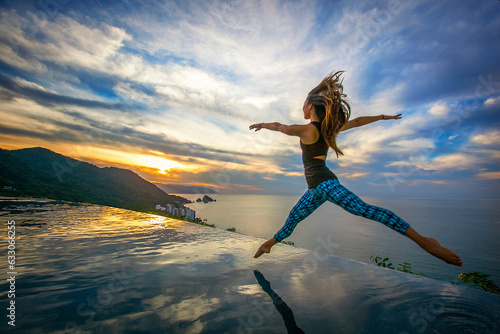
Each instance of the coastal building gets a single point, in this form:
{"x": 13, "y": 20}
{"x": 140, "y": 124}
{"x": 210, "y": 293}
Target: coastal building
{"x": 179, "y": 212}
{"x": 190, "y": 214}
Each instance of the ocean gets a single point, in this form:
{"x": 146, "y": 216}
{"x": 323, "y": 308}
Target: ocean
{"x": 470, "y": 227}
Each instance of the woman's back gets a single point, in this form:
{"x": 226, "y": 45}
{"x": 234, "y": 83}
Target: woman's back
{"x": 316, "y": 150}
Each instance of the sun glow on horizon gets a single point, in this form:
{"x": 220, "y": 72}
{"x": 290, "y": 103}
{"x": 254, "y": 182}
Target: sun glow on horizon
{"x": 162, "y": 164}
{"x": 105, "y": 156}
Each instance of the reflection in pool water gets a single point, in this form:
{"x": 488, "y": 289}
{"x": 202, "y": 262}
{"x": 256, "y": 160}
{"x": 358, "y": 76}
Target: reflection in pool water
{"x": 284, "y": 310}
{"x": 94, "y": 269}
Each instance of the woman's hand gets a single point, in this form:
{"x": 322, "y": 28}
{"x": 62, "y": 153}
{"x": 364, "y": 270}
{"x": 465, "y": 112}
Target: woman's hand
{"x": 257, "y": 126}
{"x": 398, "y": 116}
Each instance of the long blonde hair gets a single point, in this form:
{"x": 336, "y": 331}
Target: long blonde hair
{"x": 331, "y": 108}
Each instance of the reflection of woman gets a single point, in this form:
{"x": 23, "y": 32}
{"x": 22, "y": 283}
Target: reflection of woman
{"x": 281, "y": 306}
{"x": 329, "y": 114}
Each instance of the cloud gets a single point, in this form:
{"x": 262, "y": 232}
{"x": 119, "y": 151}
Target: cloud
{"x": 416, "y": 144}
{"x": 39, "y": 94}
{"x": 68, "y": 43}
{"x": 438, "y": 59}
{"x": 452, "y": 161}
{"x": 492, "y": 101}
{"x": 184, "y": 80}
{"x": 63, "y": 42}
{"x": 489, "y": 175}
{"x": 127, "y": 91}
{"x": 353, "y": 175}
{"x": 489, "y": 138}
{"x": 439, "y": 110}
{"x": 363, "y": 145}
{"x": 232, "y": 37}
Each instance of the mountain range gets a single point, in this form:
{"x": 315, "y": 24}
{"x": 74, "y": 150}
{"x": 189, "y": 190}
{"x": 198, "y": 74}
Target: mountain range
{"x": 40, "y": 172}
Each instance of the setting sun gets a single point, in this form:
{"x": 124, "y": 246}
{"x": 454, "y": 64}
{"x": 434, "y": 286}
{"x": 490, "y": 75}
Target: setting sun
{"x": 160, "y": 163}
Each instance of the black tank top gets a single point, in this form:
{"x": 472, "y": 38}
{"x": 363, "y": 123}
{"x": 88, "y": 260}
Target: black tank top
{"x": 320, "y": 147}
{"x": 315, "y": 170}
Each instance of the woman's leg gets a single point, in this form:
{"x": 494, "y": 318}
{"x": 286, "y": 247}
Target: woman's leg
{"x": 304, "y": 207}
{"x": 338, "y": 194}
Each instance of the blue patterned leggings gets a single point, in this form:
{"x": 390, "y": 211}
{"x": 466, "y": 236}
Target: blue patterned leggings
{"x": 334, "y": 192}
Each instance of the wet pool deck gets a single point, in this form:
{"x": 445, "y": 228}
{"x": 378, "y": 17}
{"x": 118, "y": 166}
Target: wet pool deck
{"x": 116, "y": 275}
{"x": 296, "y": 290}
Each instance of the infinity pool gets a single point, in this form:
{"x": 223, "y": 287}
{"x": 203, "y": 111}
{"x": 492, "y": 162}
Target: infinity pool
{"x": 94, "y": 269}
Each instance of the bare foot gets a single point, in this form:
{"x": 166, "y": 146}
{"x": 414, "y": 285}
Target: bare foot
{"x": 433, "y": 246}
{"x": 262, "y": 249}
{"x": 265, "y": 247}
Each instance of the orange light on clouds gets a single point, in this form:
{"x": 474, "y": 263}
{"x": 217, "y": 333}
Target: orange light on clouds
{"x": 162, "y": 164}
{"x": 439, "y": 182}
{"x": 489, "y": 175}
{"x": 352, "y": 175}
{"x": 105, "y": 156}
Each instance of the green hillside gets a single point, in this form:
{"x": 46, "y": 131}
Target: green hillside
{"x": 40, "y": 172}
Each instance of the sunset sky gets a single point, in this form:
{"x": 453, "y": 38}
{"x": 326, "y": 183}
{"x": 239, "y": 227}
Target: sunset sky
{"x": 168, "y": 89}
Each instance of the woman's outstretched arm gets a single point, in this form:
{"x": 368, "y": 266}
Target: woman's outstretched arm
{"x": 364, "y": 120}
{"x": 291, "y": 130}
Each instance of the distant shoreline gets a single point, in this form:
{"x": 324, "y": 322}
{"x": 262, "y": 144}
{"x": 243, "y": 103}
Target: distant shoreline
{"x": 26, "y": 200}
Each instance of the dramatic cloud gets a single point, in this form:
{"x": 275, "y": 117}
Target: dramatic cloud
{"x": 169, "y": 88}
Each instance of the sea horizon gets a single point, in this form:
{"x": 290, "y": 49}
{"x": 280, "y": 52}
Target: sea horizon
{"x": 467, "y": 226}
{"x": 333, "y": 231}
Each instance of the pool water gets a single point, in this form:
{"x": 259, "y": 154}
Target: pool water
{"x": 95, "y": 269}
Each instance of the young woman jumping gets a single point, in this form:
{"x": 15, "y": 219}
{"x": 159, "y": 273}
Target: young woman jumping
{"x": 329, "y": 114}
